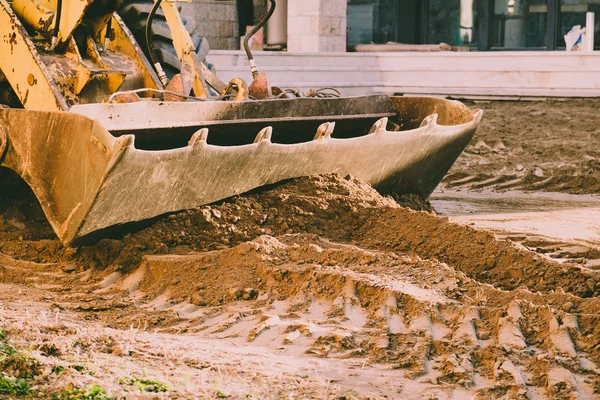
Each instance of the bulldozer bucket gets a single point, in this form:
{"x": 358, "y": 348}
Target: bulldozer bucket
{"x": 103, "y": 165}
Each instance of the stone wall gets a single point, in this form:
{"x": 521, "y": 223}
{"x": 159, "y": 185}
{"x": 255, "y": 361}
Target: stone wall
{"x": 313, "y": 25}
{"x": 216, "y": 20}
{"x": 260, "y": 9}
{"x": 317, "y": 25}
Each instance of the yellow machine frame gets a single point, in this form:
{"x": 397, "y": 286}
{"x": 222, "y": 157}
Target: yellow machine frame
{"x": 92, "y": 55}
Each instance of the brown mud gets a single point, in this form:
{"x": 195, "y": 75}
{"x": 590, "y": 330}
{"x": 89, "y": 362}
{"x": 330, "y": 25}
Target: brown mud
{"x": 539, "y": 145}
{"x": 315, "y": 288}
{"x": 561, "y": 226}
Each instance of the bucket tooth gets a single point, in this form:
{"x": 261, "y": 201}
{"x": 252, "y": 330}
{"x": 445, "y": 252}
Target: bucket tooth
{"x": 264, "y": 134}
{"x": 200, "y": 136}
{"x": 325, "y": 130}
{"x": 429, "y": 120}
{"x": 379, "y": 126}
{"x": 121, "y": 144}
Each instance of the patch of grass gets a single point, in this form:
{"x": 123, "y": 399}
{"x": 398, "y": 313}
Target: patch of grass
{"x": 3, "y": 335}
{"x": 11, "y": 386}
{"x": 78, "y": 368}
{"x": 145, "y": 385}
{"x": 7, "y": 349}
{"x": 20, "y": 365}
{"x": 93, "y": 392}
{"x": 57, "y": 369}
{"x": 222, "y": 395}
{"x": 82, "y": 369}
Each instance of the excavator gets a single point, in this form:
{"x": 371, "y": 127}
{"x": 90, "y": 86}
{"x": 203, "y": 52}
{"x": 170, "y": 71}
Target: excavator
{"x": 107, "y": 133}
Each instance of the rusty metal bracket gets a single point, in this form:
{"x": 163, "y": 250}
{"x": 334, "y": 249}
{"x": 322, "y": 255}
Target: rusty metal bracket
{"x": 233, "y": 85}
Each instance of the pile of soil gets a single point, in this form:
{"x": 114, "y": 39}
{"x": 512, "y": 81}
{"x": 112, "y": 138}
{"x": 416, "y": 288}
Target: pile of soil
{"x": 318, "y": 269}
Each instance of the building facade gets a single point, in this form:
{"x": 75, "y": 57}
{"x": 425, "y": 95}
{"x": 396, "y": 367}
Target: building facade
{"x": 477, "y": 24}
{"x": 510, "y": 43}
{"x": 333, "y": 25}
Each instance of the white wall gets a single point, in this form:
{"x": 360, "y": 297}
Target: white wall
{"x": 469, "y": 74}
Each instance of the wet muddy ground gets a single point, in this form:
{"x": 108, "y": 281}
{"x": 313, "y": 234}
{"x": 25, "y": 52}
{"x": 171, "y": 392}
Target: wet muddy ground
{"x": 322, "y": 288}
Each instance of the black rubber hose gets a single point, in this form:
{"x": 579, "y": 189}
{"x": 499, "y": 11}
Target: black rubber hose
{"x": 256, "y": 29}
{"x": 151, "y": 51}
{"x": 57, "y": 18}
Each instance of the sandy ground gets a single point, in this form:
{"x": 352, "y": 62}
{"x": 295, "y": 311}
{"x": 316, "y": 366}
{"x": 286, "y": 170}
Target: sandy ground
{"x": 549, "y": 146}
{"x": 322, "y": 288}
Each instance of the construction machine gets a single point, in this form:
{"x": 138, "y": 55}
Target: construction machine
{"x": 104, "y": 136}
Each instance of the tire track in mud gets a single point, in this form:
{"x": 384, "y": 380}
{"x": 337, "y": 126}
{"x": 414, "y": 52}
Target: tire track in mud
{"x": 477, "y": 253}
{"x": 301, "y": 294}
{"x": 421, "y": 317}
{"x": 324, "y": 267}
{"x": 533, "y": 146}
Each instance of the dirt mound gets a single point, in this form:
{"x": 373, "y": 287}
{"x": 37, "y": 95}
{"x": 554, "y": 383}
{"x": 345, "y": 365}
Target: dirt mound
{"x": 319, "y": 268}
{"x": 344, "y": 210}
{"x": 533, "y": 146}
{"x": 477, "y": 253}
{"x": 341, "y": 209}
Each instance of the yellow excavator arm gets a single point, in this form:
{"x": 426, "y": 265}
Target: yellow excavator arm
{"x": 82, "y": 53}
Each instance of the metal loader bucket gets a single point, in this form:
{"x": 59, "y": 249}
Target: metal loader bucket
{"x": 88, "y": 175}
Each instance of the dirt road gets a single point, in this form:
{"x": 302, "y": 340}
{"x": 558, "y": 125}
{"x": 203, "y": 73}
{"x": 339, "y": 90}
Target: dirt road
{"x": 549, "y": 145}
{"x": 322, "y": 288}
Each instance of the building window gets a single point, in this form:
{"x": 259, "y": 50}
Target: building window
{"x": 519, "y": 24}
{"x": 572, "y": 12}
{"x": 372, "y": 21}
{"x": 452, "y": 22}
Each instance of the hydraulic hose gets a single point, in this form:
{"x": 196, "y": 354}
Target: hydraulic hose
{"x": 151, "y": 51}
{"x": 161, "y": 73}
{"x": 252, "y": 33}
{"x": 56, "y": 29}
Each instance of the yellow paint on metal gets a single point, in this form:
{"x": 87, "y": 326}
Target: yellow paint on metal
{"x": 23, "y": 68}
{"x": 49, "y": 4}
{"x": 71, "y": 16}
{"x": 123, "y": 42}
{"x": 34, "y": 15}
{"x": 185, "y": 49}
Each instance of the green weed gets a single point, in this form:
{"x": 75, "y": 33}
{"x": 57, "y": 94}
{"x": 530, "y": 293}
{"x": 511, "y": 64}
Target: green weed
{"x": 145, "y": 385}
{"x": 20, "y": 365}
{"x": 93, "y": 392}
{"x": 221, "y": 395}
{"x": 57, "y": 369}
{"x": 7, "y": 349}
{"x": 12, "y": 386}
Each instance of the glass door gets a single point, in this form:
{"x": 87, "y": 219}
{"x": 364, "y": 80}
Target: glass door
{"x": 372, "y": 21}
{"x": 572, "y": 12}
{"x": 519, "y": 24}
{"x": 452, "y": 21}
